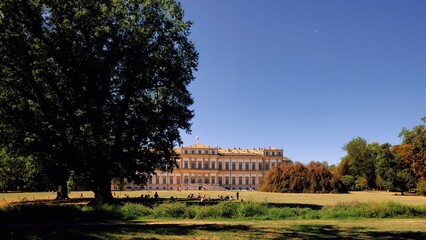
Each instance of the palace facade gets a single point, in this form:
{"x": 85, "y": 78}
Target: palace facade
{"x": 214, "y": 168}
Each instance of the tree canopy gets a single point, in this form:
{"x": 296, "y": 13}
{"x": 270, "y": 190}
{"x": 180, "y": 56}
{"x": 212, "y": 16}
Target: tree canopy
{"x": 298, "y": 178}
{"x": 98, "y": 88}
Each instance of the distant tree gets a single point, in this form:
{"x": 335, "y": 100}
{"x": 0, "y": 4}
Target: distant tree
{"x": 297, "y": 178}
{"x": 348, "y": 181}
{"x": 394, "y": 171}
{"x": 412, "y": 150}
{"x": 95, "y": 88}
{"x": 360, "y": 161}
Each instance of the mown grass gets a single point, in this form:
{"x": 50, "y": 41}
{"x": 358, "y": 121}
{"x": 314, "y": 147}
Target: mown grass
{"x": 255, "y": 196}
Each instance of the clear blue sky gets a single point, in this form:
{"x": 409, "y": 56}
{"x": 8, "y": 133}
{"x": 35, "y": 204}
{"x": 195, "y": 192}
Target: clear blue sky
{"x": 306, "y": 76}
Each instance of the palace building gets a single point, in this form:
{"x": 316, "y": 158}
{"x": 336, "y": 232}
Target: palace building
{"x": 214, "y": 168}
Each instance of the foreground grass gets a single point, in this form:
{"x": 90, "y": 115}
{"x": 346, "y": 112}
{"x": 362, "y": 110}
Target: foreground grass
{"x": 193, "y": 229}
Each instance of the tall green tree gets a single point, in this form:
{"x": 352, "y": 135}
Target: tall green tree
{"x": 394, "y": 171}
{"x": 359, "y": 161}
{"x": 98, "y": 88}
{"x": 412, "y": 150}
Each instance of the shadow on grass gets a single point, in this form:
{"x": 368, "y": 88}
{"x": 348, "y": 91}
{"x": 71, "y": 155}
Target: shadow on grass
{"x": 295, "y": 205}
{"x": 190, "y": 231}
{"x": 333, "y": 232}
{"x": 114, "y": 231}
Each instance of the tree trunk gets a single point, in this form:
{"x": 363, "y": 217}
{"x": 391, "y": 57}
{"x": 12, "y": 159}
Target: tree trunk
{"x": 62, "y": 191}
{"x": 102, "y": 191}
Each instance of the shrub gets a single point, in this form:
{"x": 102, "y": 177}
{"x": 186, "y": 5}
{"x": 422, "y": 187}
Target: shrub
{"x": 227, "y": 209}
{"x": 252, "y": 209}
{"x": 170, "y": 210}
{"x": 133, "y": 211}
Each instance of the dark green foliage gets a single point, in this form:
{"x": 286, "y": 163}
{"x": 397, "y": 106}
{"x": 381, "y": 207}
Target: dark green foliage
{"x": 297, "y": 178}
{"x": 96, "y": 88}
{"x": 19, "y": 173}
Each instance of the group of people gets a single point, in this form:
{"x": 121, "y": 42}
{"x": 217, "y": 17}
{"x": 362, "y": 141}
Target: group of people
{"x": 219, "y": 197}
{"x": 156, "y": 196}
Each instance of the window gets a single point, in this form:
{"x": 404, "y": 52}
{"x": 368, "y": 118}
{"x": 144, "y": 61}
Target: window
{"x": 233, "y": 166}
{"x": 157, "y": 180}
{"x": 171, "y": 180}
{"x": 260, "y": 166}
{"x": 193, "y": 180}
{"x": 186, "y": 165}
{"x": 240, "y": 166}
{"x": 186, "y": 180}
{"x": 226, "y": 180}
{"x": 185, "y": 151}
{"x": 206, "y": 181}
{"x": 206, "y": 166}
{"x": 164, "y": 180}
{"x": 233, "y": 180}
{"x": 267, "y": 153}
{"x": 253, "y": 166}
{"x": 273, "y": 153}
{"x": 247, "y": 166}
{"x": 213, "y": 152}
{"x": 200, "y": 165}
{"x": 200, "y": 152}
{"x": 213, "y": 166}
{"x": 193, "y": 165}
{"x": 267, "y": 166}
{"x": 213, "y": 180}
{"x": 220, "y": 166}
{"x": 220, "y": 180}
{"x": 178, "y": 180}
{"x": 247, "y": 180}
{"x": 226, "y": 166}
{"x": 240, "y": 180}
{"x": 253, "y": 180}
{"x": 206, "y": 152}
{"x": 193, "y": 151}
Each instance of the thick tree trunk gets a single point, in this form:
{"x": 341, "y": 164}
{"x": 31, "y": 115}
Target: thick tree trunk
{"x": 62, "y": 191}
{"x": 102, "y": 191}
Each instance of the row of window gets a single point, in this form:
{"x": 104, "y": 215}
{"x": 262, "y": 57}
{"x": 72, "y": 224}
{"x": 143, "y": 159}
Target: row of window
{"x": 199, "y": 152}
{"x": 213, "y": 152}
{"x": 212, "y": 180}
{"x": 233, "y": 166}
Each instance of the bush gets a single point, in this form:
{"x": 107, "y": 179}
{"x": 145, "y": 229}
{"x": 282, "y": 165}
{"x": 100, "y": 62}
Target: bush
{"x": 170, "y": 210}
{"x": 252, "y": 209}
{"x": 133, "y": 211}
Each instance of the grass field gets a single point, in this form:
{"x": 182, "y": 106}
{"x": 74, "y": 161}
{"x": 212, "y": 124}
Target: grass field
{"x": 147, "y": 228}
{"x": 289, "y": 198}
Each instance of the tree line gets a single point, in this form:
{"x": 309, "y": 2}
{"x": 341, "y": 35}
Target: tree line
{"x": 365, "y": 166}
{"x": 384, "y": 166}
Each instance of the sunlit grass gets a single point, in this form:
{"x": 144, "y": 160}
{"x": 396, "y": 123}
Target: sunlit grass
{"x": 288, "y": 198}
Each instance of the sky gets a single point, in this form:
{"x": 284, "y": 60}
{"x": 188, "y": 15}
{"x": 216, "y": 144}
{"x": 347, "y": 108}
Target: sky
{"x": 306, "y": 76}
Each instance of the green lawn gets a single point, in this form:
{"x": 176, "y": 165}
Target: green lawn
{"x": 372, "y": 228}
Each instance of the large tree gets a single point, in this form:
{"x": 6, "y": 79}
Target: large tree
{"x": 98, "y": 88}
{"x": 359, "y": 162}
